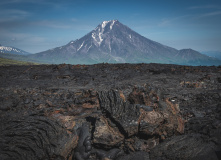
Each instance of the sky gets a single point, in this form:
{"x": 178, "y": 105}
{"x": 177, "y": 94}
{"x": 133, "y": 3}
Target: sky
{"x": 39, "y": 25}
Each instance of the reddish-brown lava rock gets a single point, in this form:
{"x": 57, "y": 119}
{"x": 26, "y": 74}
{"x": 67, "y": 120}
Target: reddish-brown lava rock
{"x": 106, "y": 135}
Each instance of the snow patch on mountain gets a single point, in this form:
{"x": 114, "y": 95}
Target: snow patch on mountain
{"x": 80, "y": 46}
{"x": 101, "y": 38}
{"x": 93, "y": 36}
{"x": 89, "y": 48}
{"x": 112, "y": 24}
{"x": 9, "y": 49}
{"x": 104, "y": 24}
{"x": 110, "y": 47}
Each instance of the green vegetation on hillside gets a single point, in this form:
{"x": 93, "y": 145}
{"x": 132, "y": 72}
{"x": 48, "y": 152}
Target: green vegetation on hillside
{"x": 4, "y": 61}
{"x": 16, "y": 57}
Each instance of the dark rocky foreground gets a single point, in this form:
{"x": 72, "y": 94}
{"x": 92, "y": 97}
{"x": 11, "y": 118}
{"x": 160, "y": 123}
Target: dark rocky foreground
{"x": 110, "y": 111}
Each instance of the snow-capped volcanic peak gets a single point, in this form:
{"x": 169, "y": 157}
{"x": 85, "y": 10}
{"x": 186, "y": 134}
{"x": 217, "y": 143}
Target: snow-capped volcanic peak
{"x": 112, "y": 24}
{"x": 103, "y": 25}
{"x": 6, "y": 49}
{"x": 9, "y": 49}
{"x": 114, "y": 42}
{"x": 98, "y": 33}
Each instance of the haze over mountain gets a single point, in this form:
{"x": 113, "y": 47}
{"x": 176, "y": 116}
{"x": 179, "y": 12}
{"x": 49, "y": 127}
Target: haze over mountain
{"x": 113, "y": 42}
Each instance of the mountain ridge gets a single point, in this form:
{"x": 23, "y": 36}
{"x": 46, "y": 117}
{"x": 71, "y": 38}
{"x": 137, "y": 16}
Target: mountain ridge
{"x": 214, "y": 54}
{"x": 113, "y": 42}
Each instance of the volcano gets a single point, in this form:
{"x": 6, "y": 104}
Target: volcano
{"x": 113, "y": 42}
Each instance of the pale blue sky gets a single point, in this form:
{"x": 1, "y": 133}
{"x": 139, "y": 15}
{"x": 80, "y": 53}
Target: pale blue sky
{"x": 36, "y": 26}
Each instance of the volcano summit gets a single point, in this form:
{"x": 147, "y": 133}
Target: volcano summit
{"x": 113, "y": 42}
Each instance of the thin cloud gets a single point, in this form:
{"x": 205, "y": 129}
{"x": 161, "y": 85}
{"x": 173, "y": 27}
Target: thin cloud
{"x": 74, "y": 19}
{"x": 209, "y": 11}
{"x": 13, "y": 15}
{"x": 206, "y": 15}
{"x": 24, "y": 1}
{"x": 50, "y": 3}
{"x": 165, "y": 22}
{"x": 18, "y": 40}
{"x": 11, "y": 36}
{"x": 211, "y": 14}
{"x": 51, "y": 24}
{"x": 62, "y": 25}
{"x": 205, "y": 7}
{"x": 134, "y": 15}
{"x": 169, "y": 21}
{"x": 3, "y": 2}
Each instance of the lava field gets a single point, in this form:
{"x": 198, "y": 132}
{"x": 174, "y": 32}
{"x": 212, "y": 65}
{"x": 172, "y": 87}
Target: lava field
{"x": 110, "y": 112}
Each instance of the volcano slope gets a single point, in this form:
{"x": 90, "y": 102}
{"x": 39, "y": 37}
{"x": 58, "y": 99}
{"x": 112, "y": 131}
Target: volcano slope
{"x": 110, "y": 111}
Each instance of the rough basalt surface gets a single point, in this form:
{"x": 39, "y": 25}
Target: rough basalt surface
{"x": 110, "y": 111}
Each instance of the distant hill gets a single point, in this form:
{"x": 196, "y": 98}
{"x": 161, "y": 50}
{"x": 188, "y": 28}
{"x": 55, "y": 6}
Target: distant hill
{"x": 192, "y": 57}
{"x": 215, "y": 54}
{"x": 17, "y": 57}
{"x": 12, "y": 50}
